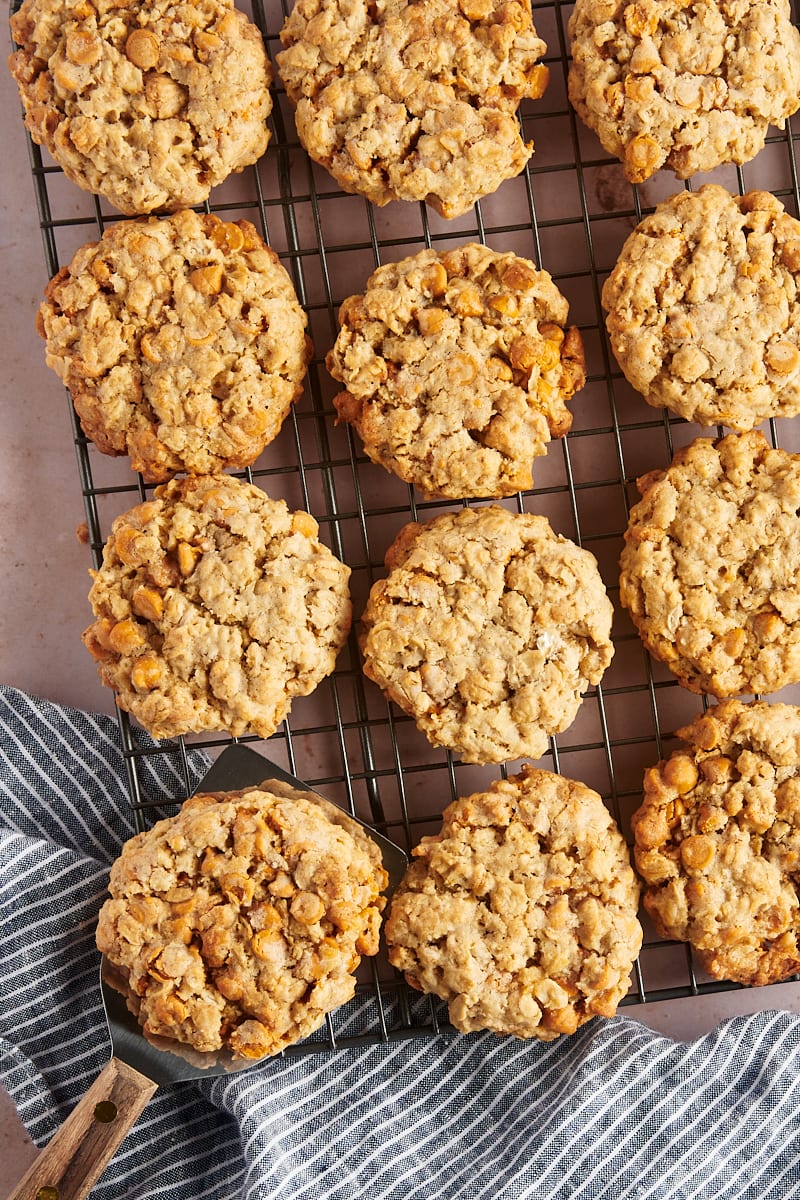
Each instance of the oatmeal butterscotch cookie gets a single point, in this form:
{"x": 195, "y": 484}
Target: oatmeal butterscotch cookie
{"x": 215, "y": 607}
{"x": 717, "y": 841}
{"x": 148, "y": 104}
{"x": 181, "y": 341}
{"x": 521, "y": 911}
{"x": 408, "y": 101}
{"x": 710, "y": 565}
{"x": 238, "y": 923}
{"x": 458, "y": 369}
{"x": 488, "y": 630}
{"x": 684, "y": 84}
{"x": 704, "y": 308}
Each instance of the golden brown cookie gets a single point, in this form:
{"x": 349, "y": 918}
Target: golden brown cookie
{"x": 521, "y": 911}
{"x": 406, "y": 101}
{"x": 238, "y": 923}
{"x": 181, "y": 340}
{"x": 214, "y": 608}
{"x": 703, "y": 308}
{"x": 488, "y": 630}
{"x": 685, "y": 85}
{"x": 710, "y": 565}
{"x": 458, "y": 368}
{"x": 717, "y": 841}
{"x": 150, "y": 105}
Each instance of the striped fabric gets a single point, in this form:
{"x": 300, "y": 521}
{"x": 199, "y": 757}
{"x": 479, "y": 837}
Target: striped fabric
{"x": 614, "y": 1111}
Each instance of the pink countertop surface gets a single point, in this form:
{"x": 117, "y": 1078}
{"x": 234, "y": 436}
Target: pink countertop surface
{"x": 43, "y": 605}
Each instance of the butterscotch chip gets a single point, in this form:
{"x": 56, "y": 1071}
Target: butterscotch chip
{"x": 710, "y": 565}
{"x": 684, "y": 85}
{"x": 121, "y": 325}
{"x": 521, "y": 911}
{"x": 214, "y": 610}
{"x": 405, "y": 101}
{"x": 150, "y": 105}
{"x": 458, "y": 368}
{"x": 488, "y": 630}
{"x": 238, "y": 923}
{"x": 703, "y": 308}
{"x": 721, "y": 860}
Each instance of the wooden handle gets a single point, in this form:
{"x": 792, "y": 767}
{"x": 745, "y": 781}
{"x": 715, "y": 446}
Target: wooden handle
{"x": 75, "y": 1158}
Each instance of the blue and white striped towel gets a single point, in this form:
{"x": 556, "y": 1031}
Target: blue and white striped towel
{"x": 613, "y": 1111}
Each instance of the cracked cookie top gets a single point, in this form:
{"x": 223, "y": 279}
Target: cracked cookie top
{"x": 181, "y": 340}
{"x": 686, "y": 84}
{"x": 215, "y": 607}
{"x": 488, "y": 630}
{"x": 238, "y": 923}
{"x": 458, "y": 369}
{"x": 717, "y": 841}
{"x": 710, "y": 565}
{"x": 150, "y": 105}
{"x": 407, "y": 101}
{"x": 521, "y": 911}
{"x": 703, "y": 308}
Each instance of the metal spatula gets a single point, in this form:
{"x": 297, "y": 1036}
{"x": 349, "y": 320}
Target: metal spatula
{"x": 77, "y": 1155}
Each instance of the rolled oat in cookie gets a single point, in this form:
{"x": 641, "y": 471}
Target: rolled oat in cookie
{"x": 521, "y": 911}
{"x": 684, "y": 85}
{"x": 408, "y": 101}
{"x": 147, "y": 104}
{"x": 181, "y": 340}
{"x": 238, "y": 924}
{"x": 458, "y": 368}
{"x": 703, "y": 308}
{"x": 717, "y": 841}
{"x": 215, "y": 607}
{"x": 488, "y": 630}
{"x": 709, "y": 571}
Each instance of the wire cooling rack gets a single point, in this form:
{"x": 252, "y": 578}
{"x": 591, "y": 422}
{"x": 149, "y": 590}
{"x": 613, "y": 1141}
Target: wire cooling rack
{"x": 570, "y": 210}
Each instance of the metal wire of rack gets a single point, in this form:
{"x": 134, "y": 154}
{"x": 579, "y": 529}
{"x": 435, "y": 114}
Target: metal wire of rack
{"x": 570, "y": 210}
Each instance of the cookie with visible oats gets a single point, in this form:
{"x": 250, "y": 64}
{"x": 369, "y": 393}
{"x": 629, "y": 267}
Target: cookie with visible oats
{"x": 717, "y": 841}
{"x": 149, "y": 105}
{"x": 238, "y": 923}
{"x": 703, "y": 308}
{"x": 215, "y": 607}
{"x": 686, "y": 84}
{"x": 710, "y": 565}
{"x": 487, "y": 631}
{"x": 458, "y": 369}
{"x": 181, "y": 340}
{"x": 407, "y": 101}
{"x": 521, "y": 911}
